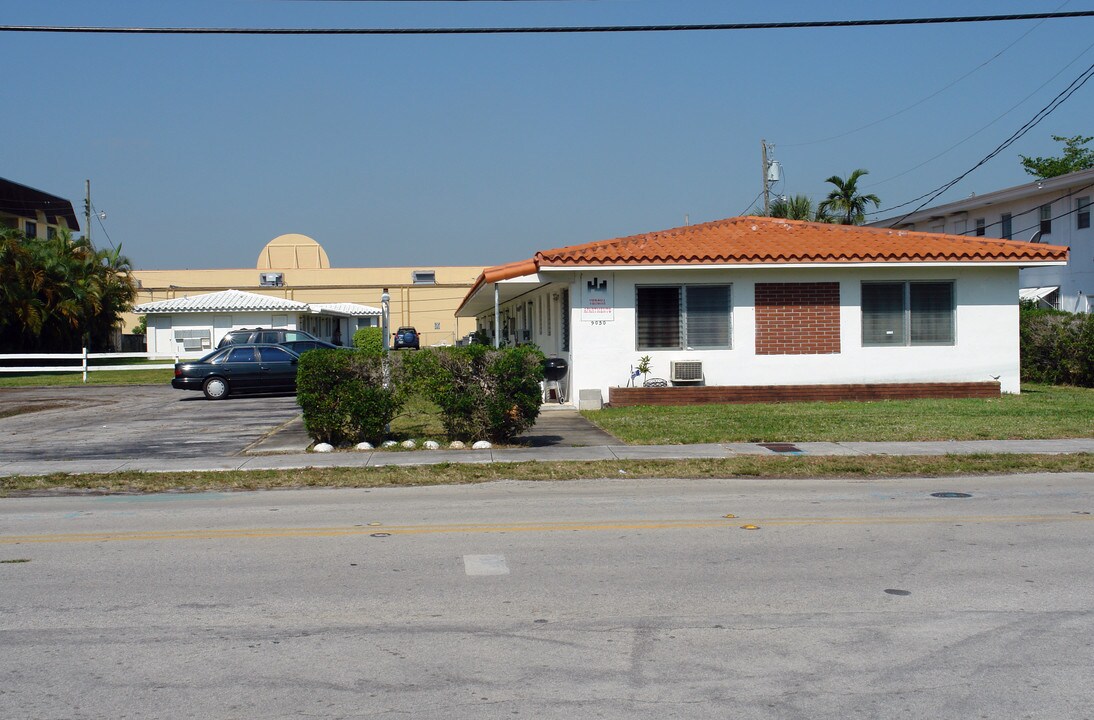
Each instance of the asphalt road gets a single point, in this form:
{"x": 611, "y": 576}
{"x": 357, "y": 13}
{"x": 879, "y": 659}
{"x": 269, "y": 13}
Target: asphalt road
{"x": 143, "y": 421}
{"x": 587, "y": 599}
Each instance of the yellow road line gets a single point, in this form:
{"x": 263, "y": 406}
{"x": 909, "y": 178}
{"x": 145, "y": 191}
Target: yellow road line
{"x": 348, "y": 531}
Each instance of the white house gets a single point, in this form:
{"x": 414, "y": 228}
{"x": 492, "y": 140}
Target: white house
{"x": 198, "y": 322}
{"x": 1055, "y": 210}
{"x": 757, "y": 306}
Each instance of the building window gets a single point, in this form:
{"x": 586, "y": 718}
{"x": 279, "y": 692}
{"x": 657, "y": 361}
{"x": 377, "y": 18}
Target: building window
{"x": 907, "y": 313}
{"x": 980, "y": 228}
{"x": 678, "y": 316}
{"x": 960, "y": 227}
{"x": 1046, "y": 219}
{"x": 424, "y": 277}
{"x": 1082, "y": 214}
{"x": 1005, "y": 225}
{"x": 564, "y": 320}
{"x": 30, "y": 229}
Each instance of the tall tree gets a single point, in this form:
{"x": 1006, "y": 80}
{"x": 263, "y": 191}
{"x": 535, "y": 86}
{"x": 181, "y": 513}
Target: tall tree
{"x": 59, "y": 293}
{"x": 1075, "y": 158}
{"x": 798, "y": 207}
{"x": 846, "y": 202}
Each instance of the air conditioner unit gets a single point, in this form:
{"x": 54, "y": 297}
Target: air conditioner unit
{"x": 686, "y": 371}
{"x": 274, "y": 279}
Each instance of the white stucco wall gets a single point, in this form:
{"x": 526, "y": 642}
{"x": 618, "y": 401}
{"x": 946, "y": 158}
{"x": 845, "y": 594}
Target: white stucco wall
{"x": 986, "y": 332}
{"x": 161, "y": 328}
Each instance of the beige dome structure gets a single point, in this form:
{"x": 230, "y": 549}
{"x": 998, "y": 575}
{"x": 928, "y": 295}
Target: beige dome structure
{"x": 293, "y": 252}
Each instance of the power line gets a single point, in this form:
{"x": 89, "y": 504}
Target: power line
{"x": 547, "y": 29}
{"x": 919, "y": 102}
{"x": 1030, "y": 124}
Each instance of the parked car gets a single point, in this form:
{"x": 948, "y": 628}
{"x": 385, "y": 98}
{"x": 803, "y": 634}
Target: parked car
{"x": 239, "y": 369}
{"x": 302, "y": 346}
{"x": 406, "y": 338}
{"x": 275, "y": 336}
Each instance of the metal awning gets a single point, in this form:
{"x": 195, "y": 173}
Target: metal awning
{"x": 1037, "y": 293}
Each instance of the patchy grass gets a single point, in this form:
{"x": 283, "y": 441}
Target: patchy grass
{"x": 773, "y": 467}
{"x": 1040, "y": 411}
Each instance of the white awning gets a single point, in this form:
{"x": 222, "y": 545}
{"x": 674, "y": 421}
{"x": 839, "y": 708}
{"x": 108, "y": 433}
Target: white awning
{"x": 1037, "y": 293}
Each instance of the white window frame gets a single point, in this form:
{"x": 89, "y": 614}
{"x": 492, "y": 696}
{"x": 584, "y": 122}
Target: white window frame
{"x": 906, "y": 313}
{"x": 682, "y": 290}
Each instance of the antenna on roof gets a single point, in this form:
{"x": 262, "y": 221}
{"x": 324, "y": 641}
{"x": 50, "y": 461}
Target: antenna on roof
{"x": 1036, "y": 238}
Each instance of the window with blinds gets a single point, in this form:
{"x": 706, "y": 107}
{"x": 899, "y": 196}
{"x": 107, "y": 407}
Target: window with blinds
{"x": 674, "y": 317}
{"x": 907, "y": 313}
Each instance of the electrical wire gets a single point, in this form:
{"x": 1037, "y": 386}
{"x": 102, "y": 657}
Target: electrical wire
{"x": 802, "y": 24}
{"x": 925, "y": 99}
{"x": 1029, "y": 125}
{"x": 957, "y": 144}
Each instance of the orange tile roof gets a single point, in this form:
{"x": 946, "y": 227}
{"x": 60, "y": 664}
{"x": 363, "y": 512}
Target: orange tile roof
{"x": 773, "y": 241}
{"x": 763, "y": 240}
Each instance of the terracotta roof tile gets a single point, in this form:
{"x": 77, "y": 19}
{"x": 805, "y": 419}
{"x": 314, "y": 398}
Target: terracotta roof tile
{"x": 773, "y": 241}
{"x": 761, "y": 240}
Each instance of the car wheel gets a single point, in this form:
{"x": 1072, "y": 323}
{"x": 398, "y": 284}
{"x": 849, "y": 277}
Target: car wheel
{"x": 215, "y": 388}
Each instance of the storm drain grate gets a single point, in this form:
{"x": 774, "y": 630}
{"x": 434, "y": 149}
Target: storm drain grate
{"x": 950, "y": 495}
{"x": 782, "y": 447}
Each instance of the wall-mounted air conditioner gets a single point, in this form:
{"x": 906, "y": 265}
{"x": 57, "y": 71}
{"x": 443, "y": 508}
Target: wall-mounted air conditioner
{"x": 271, "y": 279}
{"x": 686, "y": 371}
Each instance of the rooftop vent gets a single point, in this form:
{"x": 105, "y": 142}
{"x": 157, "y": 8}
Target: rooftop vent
{"x": 424, "y": 277}
{"x": 271, "y": 279}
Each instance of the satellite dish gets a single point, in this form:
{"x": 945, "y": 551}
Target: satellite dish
{"x": 1036, "y": 237}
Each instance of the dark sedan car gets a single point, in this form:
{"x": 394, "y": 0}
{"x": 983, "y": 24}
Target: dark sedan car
{"x": 239, "y": 369}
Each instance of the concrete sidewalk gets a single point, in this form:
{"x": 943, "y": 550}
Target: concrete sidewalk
{"x": 378, "y": 458}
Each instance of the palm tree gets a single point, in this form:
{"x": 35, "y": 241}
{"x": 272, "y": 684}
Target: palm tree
{"x": 799, "y": 207}
{"x": 846, "y": 202}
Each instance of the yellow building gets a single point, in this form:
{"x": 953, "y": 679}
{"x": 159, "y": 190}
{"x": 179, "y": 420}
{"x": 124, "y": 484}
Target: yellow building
{"x": 295, "y": 267}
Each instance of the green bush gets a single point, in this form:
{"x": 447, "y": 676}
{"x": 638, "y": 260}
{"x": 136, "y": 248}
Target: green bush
{"x": 343, "y": 395}
{"x": 369, "y": 339}
{"x": 483, "y": 393}
{"x": 1057, "y": 347}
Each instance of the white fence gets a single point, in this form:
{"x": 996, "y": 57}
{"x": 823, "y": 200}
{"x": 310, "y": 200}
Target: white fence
{"x": 83, "y": 366}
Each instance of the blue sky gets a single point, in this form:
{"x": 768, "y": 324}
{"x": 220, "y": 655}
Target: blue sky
{"x": 449, "y": 150}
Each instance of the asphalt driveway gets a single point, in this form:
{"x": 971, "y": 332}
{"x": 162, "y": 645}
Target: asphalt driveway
{"x": 133, "y": 421}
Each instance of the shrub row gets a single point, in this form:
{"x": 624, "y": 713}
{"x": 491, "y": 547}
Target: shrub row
{"x": 1057, "y": 347}
{"x": 483, "y": 393}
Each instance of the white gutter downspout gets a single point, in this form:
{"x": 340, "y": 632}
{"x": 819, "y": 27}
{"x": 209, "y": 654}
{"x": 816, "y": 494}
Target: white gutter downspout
{"x": 497, "y": 320}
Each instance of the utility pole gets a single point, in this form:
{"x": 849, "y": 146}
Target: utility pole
{"x": 87, "y": 210}
{"x": 763, "y": 176}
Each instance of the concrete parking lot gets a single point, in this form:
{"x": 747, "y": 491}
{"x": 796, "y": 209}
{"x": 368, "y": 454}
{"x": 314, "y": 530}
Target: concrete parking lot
{"x": 102, "y": 422}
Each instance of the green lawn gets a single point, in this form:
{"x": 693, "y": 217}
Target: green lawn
{"x": 1040, "y": 411}
{"x": 101, "y": 377}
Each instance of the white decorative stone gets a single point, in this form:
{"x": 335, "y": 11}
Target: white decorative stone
{"x": 409, "y": 444}
{"x": 364, "y": 446}
{"x": 323, "y": 447}
{"x": 481, "y": 445}
{"x": 389, "y": 443}
{"x": 457, "y": 445}
{"x": 431, "y": 445}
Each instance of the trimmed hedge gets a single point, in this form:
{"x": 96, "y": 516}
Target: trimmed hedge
{"x": 482, "y": 392}
{"x": 369, "y": 339}
{"x": 343, "y": 395}
{"x": 1057, "y": 347}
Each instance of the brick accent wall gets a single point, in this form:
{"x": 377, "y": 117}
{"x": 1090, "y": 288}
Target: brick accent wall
{"x": 797, "y": 318}
{"x": 714, "y": 394}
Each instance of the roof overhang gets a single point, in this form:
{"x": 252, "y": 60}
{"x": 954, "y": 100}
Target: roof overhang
{"x": 481, "y": 298}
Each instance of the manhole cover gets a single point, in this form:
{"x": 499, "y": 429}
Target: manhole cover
{"x": 950, "y": 495}
{"x": 781, "y": 447}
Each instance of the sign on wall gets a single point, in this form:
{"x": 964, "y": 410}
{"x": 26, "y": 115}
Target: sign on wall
{"x": 597, "y": 299}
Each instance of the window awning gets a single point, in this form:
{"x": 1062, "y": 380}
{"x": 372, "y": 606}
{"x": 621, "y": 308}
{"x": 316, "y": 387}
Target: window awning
{"x": 1037, "y": 293}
